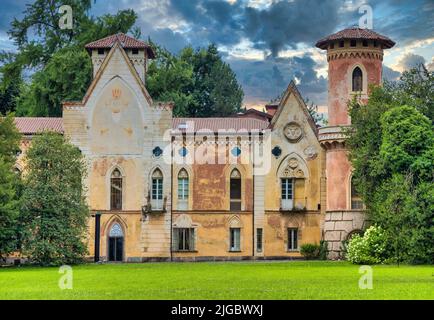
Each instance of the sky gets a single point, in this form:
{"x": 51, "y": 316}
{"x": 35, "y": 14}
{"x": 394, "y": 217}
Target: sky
{"x": 268, "y": 43}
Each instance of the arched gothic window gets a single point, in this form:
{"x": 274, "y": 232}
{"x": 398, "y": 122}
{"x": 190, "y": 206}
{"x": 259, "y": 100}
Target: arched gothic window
{"x": 157, "y": 190}
{"x": 183, "y": 190}
{"x": 235, "y": 191}
{"x": 116, "y": 190}
{"x": 357, "y": 80}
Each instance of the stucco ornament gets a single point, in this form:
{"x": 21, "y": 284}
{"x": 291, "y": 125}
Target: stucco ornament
{"x": 117, "y": 104}
{"x": 310, "y": 152}
{"x": 293, "y": 132}
{"x": 292, "y": 170}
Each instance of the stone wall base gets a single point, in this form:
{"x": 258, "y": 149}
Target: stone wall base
{"x": 339, "y": 226}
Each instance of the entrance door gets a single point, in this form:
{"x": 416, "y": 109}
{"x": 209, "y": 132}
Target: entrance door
{"x": 116, "y": 243}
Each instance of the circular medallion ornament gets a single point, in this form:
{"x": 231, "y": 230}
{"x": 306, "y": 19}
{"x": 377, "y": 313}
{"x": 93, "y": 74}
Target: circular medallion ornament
{"x": 236, "y": 151}
{"x": 293, "y": 132}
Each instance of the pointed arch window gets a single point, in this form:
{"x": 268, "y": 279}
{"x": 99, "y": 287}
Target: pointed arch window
{"x": 116, "y": 190}
{"x": 183, "y": 186}
{"x": 157, "y": 190}
{"x": 116, "y": 243}
{"x": 235, "y": 191}
{"x": 356, "y": 200}
{"x": 357, "y": 80}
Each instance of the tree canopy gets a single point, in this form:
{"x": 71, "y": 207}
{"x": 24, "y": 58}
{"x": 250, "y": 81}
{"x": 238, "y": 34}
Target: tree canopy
{"x": 198, "y": 81}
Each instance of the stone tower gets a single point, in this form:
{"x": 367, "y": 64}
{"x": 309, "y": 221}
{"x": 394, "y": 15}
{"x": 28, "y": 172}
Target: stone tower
{"x": 355, "y": 60}
{"x": 138, "y": 52}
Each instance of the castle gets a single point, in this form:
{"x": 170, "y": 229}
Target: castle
{"x": 253, "y": 186}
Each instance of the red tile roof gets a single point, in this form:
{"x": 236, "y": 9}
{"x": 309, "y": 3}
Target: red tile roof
{"x": 216, "y": 124}
{"x": 28, "y": 125}
{"x": 355, "y": 33}
{"x": 124, "y": 40}
{"x": 255, "y": 114}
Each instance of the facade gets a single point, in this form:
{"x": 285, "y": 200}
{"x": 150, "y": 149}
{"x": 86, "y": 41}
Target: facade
{"x": 251, "y": 186}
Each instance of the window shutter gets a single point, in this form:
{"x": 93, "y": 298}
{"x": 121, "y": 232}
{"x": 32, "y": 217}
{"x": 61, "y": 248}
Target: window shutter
{"x": 175, "y": 239}
{"x": 192, "y": 238}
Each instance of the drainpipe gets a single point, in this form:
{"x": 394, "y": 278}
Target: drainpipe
{"x": 97, "y": 235}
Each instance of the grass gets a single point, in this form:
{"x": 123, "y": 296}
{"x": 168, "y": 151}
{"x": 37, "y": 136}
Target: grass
{"x": 219, "y": 280}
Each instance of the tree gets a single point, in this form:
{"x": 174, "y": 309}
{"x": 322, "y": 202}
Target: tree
{"x": 392, "y": 152}
{"x": 66, "y": 77}
{"x": 41, "y": 20}
{"x": 54, "y": 211}
{"x": 9, "y": 186}
{"x": 198, "y": 81}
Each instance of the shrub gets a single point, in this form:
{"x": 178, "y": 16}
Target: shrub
{"x": 323, "y": 250}
{"x": 310, "y": 251}
{"x": 369, "y": 248}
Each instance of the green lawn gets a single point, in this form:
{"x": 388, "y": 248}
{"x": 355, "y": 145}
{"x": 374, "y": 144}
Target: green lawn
{"x": 220, "y": 280}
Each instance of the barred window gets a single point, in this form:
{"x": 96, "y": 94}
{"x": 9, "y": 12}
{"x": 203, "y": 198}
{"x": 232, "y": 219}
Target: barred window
{"x": 116, "y": 190}
{"x": 292, "y": 239}
{"x": 183, "y": 239}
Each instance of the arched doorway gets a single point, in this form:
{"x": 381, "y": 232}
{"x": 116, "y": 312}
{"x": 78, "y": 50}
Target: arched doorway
{"x": 116, "y": 243}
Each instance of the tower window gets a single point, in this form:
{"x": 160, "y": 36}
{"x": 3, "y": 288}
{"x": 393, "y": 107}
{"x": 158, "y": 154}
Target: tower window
{"x": 353, "y": 43}
{"x": 341, "y": 43}
{"x": 365, "y": 43}
{"x": 100, "y": 51}
{"x": 375, "y": 44}
{"x": 356, "y": 200}
{"x": 135, "y": 51}
{"x": 332, "y": 45}
{"x": 357, "y": 80}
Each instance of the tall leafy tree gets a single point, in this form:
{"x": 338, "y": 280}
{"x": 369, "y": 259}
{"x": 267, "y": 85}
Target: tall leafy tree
{"x": 66, "y": 77}
{"x": 54, "y": 211}
{"x": 198, "y": 81}
{"x": 392, "y": 152}
{"x": 9, "y": 186}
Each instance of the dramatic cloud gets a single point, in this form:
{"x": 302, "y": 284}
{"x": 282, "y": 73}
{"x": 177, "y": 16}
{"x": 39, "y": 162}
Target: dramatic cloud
{"x": 265, "y": 80}
{"x": 270, "y": 42}
{"x": 411, "y": 60}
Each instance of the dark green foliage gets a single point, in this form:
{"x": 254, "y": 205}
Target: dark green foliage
{"x": 54, "y": 211}
{"x": 198, "y": 81}
{"x": 9, "y": 186}
{"x": 323, "y": 250}
{"x": 66, "y": 77}
{"x": 392, "y": 151}
{"x": 310, "y": 251}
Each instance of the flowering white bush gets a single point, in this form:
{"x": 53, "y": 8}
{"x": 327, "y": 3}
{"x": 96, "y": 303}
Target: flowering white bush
{"x": 369, "y": 249}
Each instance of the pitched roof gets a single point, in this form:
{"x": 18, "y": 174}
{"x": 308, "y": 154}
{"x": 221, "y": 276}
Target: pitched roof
{"x": 255, "y": 114}
{"x": 216, "y": 124}
{"x": 125, "y": 41}
{"x": 28, "y": 125}
{"x": 355, "y": 33}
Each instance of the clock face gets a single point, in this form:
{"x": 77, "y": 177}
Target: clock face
{"x": 293, "y": 132}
